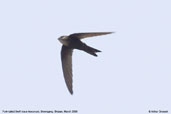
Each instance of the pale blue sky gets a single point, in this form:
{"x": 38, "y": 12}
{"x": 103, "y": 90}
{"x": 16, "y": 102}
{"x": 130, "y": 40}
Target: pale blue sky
{"x": 131, "y": 76}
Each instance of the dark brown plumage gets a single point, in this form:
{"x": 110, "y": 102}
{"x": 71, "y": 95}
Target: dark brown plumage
{"x": 71, "y": 42}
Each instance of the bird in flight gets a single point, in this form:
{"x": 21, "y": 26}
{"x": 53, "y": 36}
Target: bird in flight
{"x": 70, "y": 43}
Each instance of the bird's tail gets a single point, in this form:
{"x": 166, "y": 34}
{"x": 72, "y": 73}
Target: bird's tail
{"x": 90, "y": 50}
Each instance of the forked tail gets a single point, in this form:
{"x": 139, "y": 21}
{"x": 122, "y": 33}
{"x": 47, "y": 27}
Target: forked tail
{"x": 90, "y": 50}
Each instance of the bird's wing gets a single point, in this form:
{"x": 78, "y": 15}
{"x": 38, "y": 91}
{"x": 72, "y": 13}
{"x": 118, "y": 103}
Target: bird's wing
{"x": 66, "y": 57}
{"x": 90, "y": 34}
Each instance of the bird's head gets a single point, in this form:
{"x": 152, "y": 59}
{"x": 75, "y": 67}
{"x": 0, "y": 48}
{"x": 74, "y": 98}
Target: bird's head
{"x": 63, "y": 40}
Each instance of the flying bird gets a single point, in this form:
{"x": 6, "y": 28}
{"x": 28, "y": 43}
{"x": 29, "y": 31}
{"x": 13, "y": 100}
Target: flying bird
{"x": 70, "y": 43}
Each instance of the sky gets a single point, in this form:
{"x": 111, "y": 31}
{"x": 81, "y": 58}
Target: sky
{"x": 130, "y": 76}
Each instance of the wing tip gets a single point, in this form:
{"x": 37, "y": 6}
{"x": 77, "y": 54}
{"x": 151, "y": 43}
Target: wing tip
{"x": 71, "y": 92}
{"x": 111, "y": 32}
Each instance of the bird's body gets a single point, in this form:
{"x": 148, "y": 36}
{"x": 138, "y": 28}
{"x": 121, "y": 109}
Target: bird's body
{"x": 71, "y": 42}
